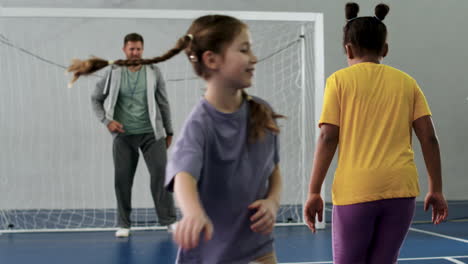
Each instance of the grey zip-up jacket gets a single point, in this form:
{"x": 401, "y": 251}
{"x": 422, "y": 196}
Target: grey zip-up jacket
{"x": 158, "y": 105}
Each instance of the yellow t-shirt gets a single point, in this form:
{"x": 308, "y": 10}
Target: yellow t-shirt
{"x": 374, "y": 105}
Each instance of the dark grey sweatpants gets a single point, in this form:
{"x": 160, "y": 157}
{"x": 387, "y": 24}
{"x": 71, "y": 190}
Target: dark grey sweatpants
{"x": 125, "y": 153}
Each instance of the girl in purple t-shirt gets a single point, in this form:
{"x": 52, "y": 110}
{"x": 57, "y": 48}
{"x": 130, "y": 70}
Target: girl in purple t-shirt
{"x": 224, "y": 166}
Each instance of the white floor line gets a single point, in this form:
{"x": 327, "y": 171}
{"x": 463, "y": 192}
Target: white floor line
{"x": 428, "y": 258}
{"x": 458, "y": 202}
{"x": 106, "y": 229}
{"x": 318, "y": 262}
{"x": 455, "y": 261}
{"x": 450, "y": 258}
{"x": 438, "y": 235}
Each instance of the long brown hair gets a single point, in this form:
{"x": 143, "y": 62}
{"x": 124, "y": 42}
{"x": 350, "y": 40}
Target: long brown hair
{"x": 261, "y": 118}
{"x": 89, "y": 66}
{"x": 207, "y": 33}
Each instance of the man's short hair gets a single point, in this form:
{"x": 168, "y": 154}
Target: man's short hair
{"x": 133, "y": 37}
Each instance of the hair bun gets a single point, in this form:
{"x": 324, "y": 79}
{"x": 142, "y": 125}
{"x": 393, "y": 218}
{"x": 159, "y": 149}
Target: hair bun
{"x": 351, "y": 10}
{"x": 381, "y": 11}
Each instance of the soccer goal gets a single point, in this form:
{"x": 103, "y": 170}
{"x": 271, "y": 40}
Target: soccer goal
{"x": 56, "y": 169}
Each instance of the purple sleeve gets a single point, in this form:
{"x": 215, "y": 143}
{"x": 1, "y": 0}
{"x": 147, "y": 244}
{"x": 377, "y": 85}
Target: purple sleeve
{"x": 187, "y": 154}
{"x": 276, "y": 157}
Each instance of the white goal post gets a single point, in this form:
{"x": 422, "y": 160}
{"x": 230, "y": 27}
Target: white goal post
{"x": 310, "y": 82}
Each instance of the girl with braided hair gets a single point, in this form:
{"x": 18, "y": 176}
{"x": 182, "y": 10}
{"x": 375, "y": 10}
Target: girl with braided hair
{"x": 224, "y": 166}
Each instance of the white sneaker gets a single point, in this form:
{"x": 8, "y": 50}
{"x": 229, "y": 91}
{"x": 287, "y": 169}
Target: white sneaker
{"x": 122, "y": 232}
{"x": 172, "y": 227}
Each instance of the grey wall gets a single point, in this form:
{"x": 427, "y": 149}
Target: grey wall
{"x": 427, "y": 39}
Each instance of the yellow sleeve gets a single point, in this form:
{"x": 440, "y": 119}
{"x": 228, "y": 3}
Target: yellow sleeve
{"x": 421, "y": 107}
{"x": 331, "y": 103}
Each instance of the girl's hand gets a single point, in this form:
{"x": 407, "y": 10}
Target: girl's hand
{"x": 187, "y": 233}
{"x": 439, "y": 206}
{"x": 263, "y": 221}
{"x": 313, "y": 207}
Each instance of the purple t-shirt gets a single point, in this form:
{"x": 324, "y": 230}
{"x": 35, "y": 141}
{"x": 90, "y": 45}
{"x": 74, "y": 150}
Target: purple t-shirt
{"x": 231, "y": 174}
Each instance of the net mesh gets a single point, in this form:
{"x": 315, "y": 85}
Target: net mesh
{"x": 57, "y": 171}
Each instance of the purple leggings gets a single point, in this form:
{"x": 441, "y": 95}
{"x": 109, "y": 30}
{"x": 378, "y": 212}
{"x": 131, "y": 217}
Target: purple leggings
{"x": 372, "y": 232}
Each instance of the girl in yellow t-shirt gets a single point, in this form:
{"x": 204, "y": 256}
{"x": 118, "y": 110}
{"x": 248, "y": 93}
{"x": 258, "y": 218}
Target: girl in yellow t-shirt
{"x": 370, "y": 109}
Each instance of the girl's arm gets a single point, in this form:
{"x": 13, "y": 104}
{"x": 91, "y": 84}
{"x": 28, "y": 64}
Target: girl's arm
{"x": 425, "y": 131}
{"x": 326, "y": 148}
{"x": 194, "y": 219}
{"x": 274, "y": 186}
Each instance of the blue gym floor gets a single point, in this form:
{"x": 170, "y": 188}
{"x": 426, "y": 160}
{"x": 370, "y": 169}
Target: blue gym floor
{"x": 425, "y": 243}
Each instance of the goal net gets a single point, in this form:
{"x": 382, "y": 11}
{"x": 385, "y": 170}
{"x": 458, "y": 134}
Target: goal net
{"x": 56, "y": 169}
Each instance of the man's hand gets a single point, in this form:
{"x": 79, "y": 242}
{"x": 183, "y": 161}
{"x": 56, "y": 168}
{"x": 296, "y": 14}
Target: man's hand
{"x": 168, "y": 141}
{"x": 115, "y": 126}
